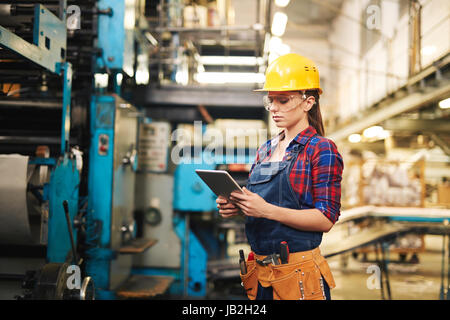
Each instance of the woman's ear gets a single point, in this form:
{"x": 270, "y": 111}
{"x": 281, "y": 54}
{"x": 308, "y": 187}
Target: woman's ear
{"x": 310, "y": 102}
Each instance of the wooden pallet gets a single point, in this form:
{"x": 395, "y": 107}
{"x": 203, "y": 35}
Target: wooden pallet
{"x": 137, "y": 246}
{"x": 144, "y": 287}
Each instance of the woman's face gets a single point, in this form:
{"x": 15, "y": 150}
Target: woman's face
{"x": 288, "y": 107}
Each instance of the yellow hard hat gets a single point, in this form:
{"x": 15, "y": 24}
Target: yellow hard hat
{"x": 292, "y": 72}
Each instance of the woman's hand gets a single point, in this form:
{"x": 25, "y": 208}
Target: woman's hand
{"x": 226, "y": 208}
{"x": 251, "y": 204}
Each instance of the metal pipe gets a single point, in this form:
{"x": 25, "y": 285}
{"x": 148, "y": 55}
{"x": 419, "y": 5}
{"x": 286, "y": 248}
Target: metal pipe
{"x": 29, "y": 140}
{"x": 12, "y": 277}
{"x": 69, "y": 226}
{"x": 205, "y": 29}
{"x": 386, "y": 270}
{"x": 381, "y": 271}
{"x": 443, "y": 289}
{"x": 186, "y": 254}
{"x": 22, "y": 9}
{"x": 30, "y": 103}
{"x": 27, "y": 2}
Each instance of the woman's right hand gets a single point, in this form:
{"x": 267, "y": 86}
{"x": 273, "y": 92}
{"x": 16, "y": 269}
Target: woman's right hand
{"x": 226, "y": 208}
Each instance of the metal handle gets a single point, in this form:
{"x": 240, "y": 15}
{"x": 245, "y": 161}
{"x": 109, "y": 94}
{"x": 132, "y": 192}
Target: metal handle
{"x": 69, "y": 226}
{"x": 131, "y": 158}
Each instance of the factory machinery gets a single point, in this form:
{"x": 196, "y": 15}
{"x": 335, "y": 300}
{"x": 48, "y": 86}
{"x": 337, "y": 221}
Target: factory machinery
{"x": 68, "y": 146}
{"x": 81, "y": 217}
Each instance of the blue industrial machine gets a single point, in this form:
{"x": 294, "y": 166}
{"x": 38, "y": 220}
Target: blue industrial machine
{"x": 112, "y": 163}
{"x": 169, "y": 203}
{"x": 95, "y": 229}
{"x": 68, "y": 82}
{"x": 53, "y": 171}
{"x": 111, "y": 237}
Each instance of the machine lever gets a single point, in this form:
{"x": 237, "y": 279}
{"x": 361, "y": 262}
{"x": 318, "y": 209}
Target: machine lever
{"x": 69, "y": 226}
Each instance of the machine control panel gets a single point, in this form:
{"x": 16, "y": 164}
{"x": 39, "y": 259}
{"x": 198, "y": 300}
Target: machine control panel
{"x": 103, "y": 144}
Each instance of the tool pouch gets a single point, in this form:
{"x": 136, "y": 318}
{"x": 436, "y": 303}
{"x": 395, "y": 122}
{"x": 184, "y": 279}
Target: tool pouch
{"x": 303, "y": 278}
{"x": 250, "y": 280}
{"x": 325, "y": 271}
{"x": 286, "y": 286}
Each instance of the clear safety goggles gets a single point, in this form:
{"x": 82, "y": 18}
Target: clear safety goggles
{"x": 285, "y": 103}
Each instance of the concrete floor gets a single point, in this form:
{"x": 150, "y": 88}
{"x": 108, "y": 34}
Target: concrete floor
{"x": 356, "y": 281}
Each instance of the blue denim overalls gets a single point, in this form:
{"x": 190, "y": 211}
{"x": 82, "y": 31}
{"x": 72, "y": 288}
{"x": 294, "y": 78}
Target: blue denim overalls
{"x": 271, "y": 181}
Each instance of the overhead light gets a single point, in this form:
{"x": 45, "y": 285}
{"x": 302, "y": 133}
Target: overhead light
{"x": 284, "y": 49}
{"x": 384, "y": 134}
{"x": 376, "y": 132}
{"x": 444, "y": 104}
{"x": 354, "y": 138}
{"x": 282, "y": 3}
{"x": 229, "y": 77}
{"x": 279, "y": 23}
{"x": 142, "y": 76}
{"x": 373, "y": 132}
{"x": 274, "y": 43}
{"x": 273, "y": 56}
{"x": 119, "y": 78}
{"x": 130, "y": 15}
{"x": 231, "y": 60}
{"x": 101, "y": 80}
{"x": 277, "y": 46}
{"x": 128, "y": 69}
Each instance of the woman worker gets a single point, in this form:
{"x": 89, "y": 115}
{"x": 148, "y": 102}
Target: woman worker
{"x": 293, "y": 191}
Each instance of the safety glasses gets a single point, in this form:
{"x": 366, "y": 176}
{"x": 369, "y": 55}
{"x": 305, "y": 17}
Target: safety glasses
{"x": 285, "y": 103}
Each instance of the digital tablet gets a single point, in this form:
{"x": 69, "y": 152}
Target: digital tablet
{"x": 219, "y": 181}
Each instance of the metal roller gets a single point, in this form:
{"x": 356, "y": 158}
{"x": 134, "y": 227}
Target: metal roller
{"x": 22, "y": 10}
{"x": 5, "y": 10}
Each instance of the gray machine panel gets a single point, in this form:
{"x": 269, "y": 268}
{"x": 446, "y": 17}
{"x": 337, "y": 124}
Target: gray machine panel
{"x": 125, "y": 141}
{"x": 156, "y": 191}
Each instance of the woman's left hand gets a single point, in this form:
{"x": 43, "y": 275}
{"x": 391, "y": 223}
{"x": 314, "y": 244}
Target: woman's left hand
{"x": 251, "y": 204}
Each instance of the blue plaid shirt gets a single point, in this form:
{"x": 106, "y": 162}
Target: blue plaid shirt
{"x": 317, "y": 172}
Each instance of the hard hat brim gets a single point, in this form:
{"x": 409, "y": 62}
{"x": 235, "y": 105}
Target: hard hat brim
{"x": 278, "y": 89}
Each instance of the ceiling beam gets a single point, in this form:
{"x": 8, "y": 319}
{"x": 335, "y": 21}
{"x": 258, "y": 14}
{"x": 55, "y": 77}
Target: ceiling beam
{"x": 408, "y": 103}
{"x": 195, "y": 95}
{"x": 418, "y": 125}
{"x": 441, "y": 143}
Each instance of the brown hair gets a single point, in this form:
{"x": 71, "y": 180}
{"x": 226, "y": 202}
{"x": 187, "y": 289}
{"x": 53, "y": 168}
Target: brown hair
{"x": 314, "y": 114}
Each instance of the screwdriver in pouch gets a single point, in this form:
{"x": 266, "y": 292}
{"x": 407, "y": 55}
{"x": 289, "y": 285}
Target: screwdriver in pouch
{"x": 242, "y": 264}
{"x": 284, "y": 252}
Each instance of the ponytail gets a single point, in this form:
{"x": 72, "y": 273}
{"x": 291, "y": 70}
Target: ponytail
{"x": 314, "y": 114}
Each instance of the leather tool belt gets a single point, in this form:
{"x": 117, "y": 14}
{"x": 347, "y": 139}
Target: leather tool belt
{"x": 299, "y": 279}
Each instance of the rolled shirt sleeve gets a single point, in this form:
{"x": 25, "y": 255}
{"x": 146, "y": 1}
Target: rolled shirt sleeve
{"x": 327, "y": 167}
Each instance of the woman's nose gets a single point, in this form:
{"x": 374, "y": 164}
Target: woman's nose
{"x": 273, "y": 108}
